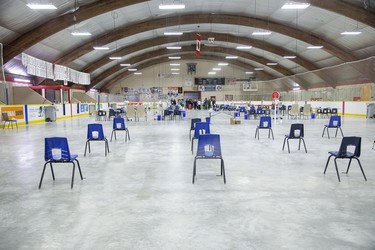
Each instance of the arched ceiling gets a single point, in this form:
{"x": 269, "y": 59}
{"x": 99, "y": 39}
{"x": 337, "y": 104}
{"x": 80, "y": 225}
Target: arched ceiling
{"x": 134, "y": 29}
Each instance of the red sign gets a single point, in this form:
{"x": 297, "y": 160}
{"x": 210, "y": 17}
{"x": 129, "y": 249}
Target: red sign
{"x": 275, "y": 95}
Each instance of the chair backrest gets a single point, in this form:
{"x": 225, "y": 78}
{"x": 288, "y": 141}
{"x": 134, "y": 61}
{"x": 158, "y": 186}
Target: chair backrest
{"x": 260, "y": 110}
{"x": 95, "y": 131}
{"x": 335, "y": 121}
{"x": 307, "y": 109}
{"x": 295, "y": 109}
{"x": 111, "y": 112}
{"x": 334, "y": 110}
{"x": 350, "y": 141}
{"x": 119, "y": 123}
{"x": 201, "y": 128}
{"x": 5, "y": 117}
{"x": 296, "y": 131}
{"x": 209, "y": 145}
{"x": 252, "y": 111}
{"x": 193, "y": 121}
{"x": 56, "y": 148}
{"x": 265, "y": 122}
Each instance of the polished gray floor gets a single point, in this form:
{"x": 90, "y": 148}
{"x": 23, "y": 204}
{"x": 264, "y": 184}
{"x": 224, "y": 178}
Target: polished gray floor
{"x": 141, "y": 195}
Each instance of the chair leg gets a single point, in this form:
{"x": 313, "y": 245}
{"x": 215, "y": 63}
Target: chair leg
{"x": 284, "y": 143}
{"x": 74, "y": 168}
{"x": 190, "y": 135}
{"x": 347, "y": 170}
{"x": 287, "y": 142}
{"x": 360, "y": 165}
{"x": 299, "y": 143}
{"x": 256, "y": 132}
{"x": 304, "y": 144}
{"x": 328, "y": 133}
{"x": 336, "y": 131}
{"x": 53, "y": 174}
{"x": 342, "y": 134}
{"x": 127, "y": 132}
{"x": 269, "y": 132}
{"x": 194, "y": 169}
{"x": 273, "y": 138}
{"x": 79, "y": 168}
{"x": 223, "y": 171}
{"x": 325, "y": 169}
{"x": 86, "y": 148}
{"x": 113, "y": 131}
{"x": 41, "y": 178}
{"x": 337, "y": 171}
{"x": 373, "y": 144}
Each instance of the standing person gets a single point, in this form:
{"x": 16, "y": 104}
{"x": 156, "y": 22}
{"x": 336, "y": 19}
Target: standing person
{"x": 213, "y": 100}
{"x": 195, "y": 104}
{"x": 199, "y": 104}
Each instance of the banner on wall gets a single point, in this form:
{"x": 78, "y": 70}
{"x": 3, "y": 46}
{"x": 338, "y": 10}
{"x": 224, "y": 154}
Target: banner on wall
{"x": 84, "y": 108}
{"x": 14, "y": 112}
{"x": 35, "y": 112}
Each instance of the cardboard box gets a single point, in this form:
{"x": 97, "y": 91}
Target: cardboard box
{"x": 234, "y": 121}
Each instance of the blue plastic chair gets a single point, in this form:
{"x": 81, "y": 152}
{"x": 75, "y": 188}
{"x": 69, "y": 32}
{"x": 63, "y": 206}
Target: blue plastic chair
{"x": 209, "y": 148}
{"x": 334, "y": 122}
{"x": 200, "y": 128}
{"x": 260, "y": 111}
{"x": 119, "y": 125}
{"x": 343, "y": 153}
{"x": 56, "y": 150}
{"x": 265, "y": 123}
{"x": 296, "y": 132}
{"x": 95, "y": 133}
{"x": 192, "y": 125}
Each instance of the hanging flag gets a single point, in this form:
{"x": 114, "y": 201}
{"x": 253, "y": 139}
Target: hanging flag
{"x": 198, "y": 45}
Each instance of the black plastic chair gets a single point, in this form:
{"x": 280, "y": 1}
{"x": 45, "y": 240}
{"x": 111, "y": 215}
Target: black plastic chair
{"x": 192, "y": 125}
{"x": 264, "y": 123}
{"x": 209, "y": 148}
{"x": 119, "y": 125}
{"x": 200, "y": 128}
{"x": 95, "y": 133}
{"x": 343, "y": 153}
{"x": 101, "y": 115}
{"x": 296, "y": 132}
{"x": 111, "y": 113}
{"x": 334, "y": 122}
{"x": 9, "y": 121}
{"x": 56, "y": 150}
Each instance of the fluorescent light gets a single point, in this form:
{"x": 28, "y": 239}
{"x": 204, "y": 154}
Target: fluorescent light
{"x": 175, "y": 69}
{"x": 258, "y": 68}
{"x": 173, "y": 33}
{"x": 173, "y": 47}
{"x": 289, "y": 57}
{"x": 231, "y": 57}
{"x": 77, "y": 33}
{"x": 223, "y": 64}
{"x": 296, "y": 88}
{"x": 35, "y": 6}
{"x": 174, "y": 57}
{"x": 125, "y": 64}
{"x": 216, "y": 69}
{"x": 271, "y": 64}
{"x": 249, "y": 73}
{"x": 175, "y": 73}
{"x": 115, "y": 57}
{"x": 100, "y": 48}
{"x": 132, "y": 69}
{"x": 351, "y": 33}
{"x": 174, "y": 64}
{"x": 138, "y": 73}
{"x": 262, "y": 33}
{"x": 315, "y": 47}
{"x": 171, "y": 6}
{"x": 243, "y": 47}
{"x": 21, "y": 80}
{"x": 212, "y": 73}
{"x": 295, "y": 6}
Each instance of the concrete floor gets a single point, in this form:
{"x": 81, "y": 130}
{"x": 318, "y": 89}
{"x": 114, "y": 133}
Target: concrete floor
{"x": 141, "y": 195}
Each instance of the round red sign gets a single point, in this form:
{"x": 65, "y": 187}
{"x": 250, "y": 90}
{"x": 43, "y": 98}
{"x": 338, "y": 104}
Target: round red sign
{"x": 275, "y": 95}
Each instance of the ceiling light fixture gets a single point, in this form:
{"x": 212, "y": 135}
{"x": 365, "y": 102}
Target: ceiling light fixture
{"x": 35, "y": 6}
{"x": 173, "y": 47}
{"x": 174, "y": 57}
{"x": 132, "y": 69}
{"x": 243, "y": 47}
{"x": 173, "y": 33}
{"x": 21, "y": 80}
{"x": 258, "y": 69}
{"x": 351, "y": 33}
{"x": 100, "y": 48}
{"x": 175, "y": 73}
{"x": 115, "y": 57}
{"x": 174, "y": 64}
{"x": 289, "y": 57}
{"x": 231, "y": 57}
{"x": 261, "y": 33}
{"x": 315, "y": 47}
{"x": 216, "y": 69}
{"x": 212, "y": 73}
{"x": 138, "y": 73}
{"x": 295, "y": 6}
{"x": 271, "y": 64}
{"x": 78, "y": 33}
{"x": 223, "y": 64}
{"x": 175, "y": 69}
{"x": 249, "y": 73}
{"x": 171, "y": 6}
{"x": 125, "y": 64}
